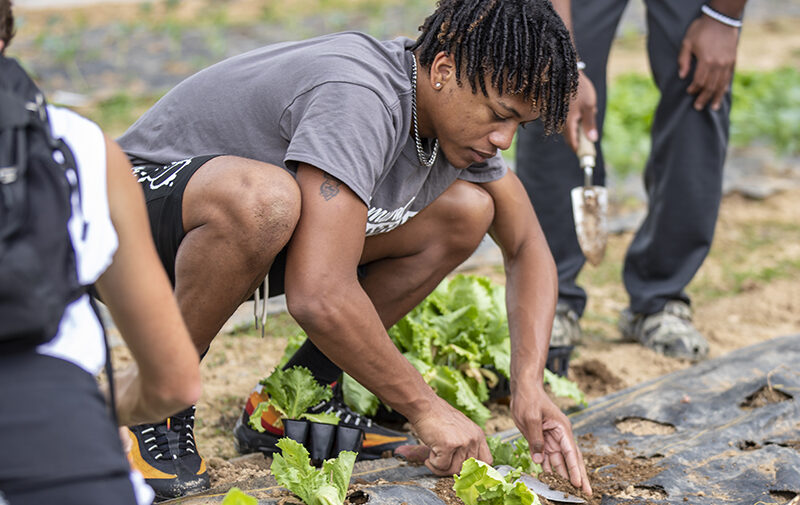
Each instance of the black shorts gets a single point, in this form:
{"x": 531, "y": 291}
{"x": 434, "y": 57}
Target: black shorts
{"x": 58, "y": 443}
{"x": 163, "y": 187}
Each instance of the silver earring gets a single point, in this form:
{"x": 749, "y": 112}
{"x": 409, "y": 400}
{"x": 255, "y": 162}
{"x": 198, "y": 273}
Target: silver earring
{"x": 438, "y": 85}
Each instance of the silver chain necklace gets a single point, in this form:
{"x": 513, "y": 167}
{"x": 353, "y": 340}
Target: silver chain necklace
{"x": 423, "y": 158}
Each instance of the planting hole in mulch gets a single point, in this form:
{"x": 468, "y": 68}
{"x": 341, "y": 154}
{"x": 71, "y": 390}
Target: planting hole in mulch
{"x": 788, "y": 497}
{"x": 357, "y": 498}
{"x": 747, "y": 445}
{"x": 765, "y": 396}
{"x": 640, "y": 426}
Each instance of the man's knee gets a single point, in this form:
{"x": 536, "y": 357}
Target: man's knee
{"x": 254, "y": 204}
{"x": 465, "y": 213}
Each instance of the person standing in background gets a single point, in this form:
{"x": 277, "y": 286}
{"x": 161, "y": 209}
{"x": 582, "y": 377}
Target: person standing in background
{"x": 692, "y": 52}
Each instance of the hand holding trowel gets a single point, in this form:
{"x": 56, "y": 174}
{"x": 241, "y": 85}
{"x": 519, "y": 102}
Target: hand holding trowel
{"x": 590, "y": 205}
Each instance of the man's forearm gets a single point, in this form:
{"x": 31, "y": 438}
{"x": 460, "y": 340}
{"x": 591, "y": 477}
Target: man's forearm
{"x": 531, "y": 295}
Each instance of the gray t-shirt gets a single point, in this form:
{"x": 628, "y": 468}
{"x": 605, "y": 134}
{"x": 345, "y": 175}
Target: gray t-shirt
{"x": 340, "y": 102}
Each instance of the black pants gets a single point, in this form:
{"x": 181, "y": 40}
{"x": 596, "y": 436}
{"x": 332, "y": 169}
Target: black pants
{"x": 683, "y": 174}
{"x": 57, "y": 441}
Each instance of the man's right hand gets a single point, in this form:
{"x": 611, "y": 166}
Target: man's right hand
{"x": 451, "y": 437}
{"x": 582, "y": 112}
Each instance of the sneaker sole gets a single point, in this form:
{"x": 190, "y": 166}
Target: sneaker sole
{"x": 245, "y": 444}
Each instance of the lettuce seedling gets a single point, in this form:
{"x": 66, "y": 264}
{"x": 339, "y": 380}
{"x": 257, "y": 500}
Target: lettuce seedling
{"x": 516, "y": 454}
{"x": 292, "y": 392}
{"x": 325, "y": 486}
{"x": 480, "y": 484}
{"x": 563, "y": 387}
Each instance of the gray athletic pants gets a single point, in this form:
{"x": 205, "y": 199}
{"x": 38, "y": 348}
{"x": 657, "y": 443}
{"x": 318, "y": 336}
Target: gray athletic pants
{"x": 683, "y": 175}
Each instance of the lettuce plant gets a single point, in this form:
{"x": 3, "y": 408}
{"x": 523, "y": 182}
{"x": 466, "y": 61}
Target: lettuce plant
{"x": 315, "y": 486}
{"x": 516, "y": 454}
{"x": 480, "y": 484}
{"x": 292, "y": 392}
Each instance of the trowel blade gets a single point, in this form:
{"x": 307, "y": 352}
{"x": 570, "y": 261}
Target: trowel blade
{"x": 540, "y": 488}
{"x": 590, "y": 208}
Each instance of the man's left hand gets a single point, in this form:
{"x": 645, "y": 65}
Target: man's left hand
{"x": 714, "y": 46}
{"x": 549, "y": 434}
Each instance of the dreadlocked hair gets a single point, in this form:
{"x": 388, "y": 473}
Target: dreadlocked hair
{"x": 6, "y": 22}
{"x": 519, "y": 47}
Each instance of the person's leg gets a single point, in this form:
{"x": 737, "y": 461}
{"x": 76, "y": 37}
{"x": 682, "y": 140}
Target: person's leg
{"x": 683, "y": 178}
{"x": 218, "y": 224}
{"x": 548, "y": 168}
{"x": 237, "y": 215}
{"x": 683, "y": 175}
{"x": 404, "y": 266}
{"x": 59, "y": 444}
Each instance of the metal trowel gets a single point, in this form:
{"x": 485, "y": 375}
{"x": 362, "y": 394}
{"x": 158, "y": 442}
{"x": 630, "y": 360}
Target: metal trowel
{"x": 540, "y": 488}
{"x": 590, "y": 205}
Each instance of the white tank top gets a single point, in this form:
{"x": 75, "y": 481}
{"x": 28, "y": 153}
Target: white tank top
{"x": 80, "y": 338}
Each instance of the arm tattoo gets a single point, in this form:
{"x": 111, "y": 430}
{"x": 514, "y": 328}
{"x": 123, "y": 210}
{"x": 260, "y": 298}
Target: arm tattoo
{"x": 329, "y": 187}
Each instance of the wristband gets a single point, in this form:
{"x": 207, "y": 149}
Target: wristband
{"x": 722, "y": 18}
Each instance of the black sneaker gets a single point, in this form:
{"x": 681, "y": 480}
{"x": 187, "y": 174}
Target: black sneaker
{"x": 378, "y": 441}
{"x": 166, "y": 455}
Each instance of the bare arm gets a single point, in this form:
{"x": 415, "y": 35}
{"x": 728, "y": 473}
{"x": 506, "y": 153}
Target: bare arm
{"x": 323, "y": 294}
{"x": 713, "y": 45}
{"x": 531, "y": 295}
{"x": 138, "y": 294}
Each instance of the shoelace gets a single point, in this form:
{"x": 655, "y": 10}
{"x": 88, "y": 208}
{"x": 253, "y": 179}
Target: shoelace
{"x": 346, "y": 416}
{"x": 181, "y": 423}
{"x": 157, "y": 443}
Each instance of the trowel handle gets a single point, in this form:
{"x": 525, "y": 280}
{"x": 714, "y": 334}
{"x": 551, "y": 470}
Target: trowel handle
{"x": 586, "y": 150}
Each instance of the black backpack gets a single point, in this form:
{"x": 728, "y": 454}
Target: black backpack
{"x": 38, "y": 182}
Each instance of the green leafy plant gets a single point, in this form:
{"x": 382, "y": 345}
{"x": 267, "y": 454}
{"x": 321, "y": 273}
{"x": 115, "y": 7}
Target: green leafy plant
{"x": 765, "y": 111}
{"x": 326, "y": 486}
{"x": 563, "y": 387}
{"x": 458, "y": 340}
{"x": 358, "y": 397}
{"x": 516, "y": 454}
{"x": 292, "y": 392}
{"x": 236, "y": 496}
{"x": 480, "y": 484}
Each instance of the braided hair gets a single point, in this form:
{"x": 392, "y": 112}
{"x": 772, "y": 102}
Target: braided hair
{"x": 6, "y": 22}
{"x": 520, "y": 47}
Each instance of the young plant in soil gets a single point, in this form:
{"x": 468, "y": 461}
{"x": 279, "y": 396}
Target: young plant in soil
{"x": 292, "y": 392}
{"x": 326, "y": 486}
{"x": 480, "y": 484}
{"x": 516, "y": 454}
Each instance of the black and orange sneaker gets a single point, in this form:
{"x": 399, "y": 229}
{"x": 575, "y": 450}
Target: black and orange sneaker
{"x": 378, "y": 441}
{"x": 166, "y": 455}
